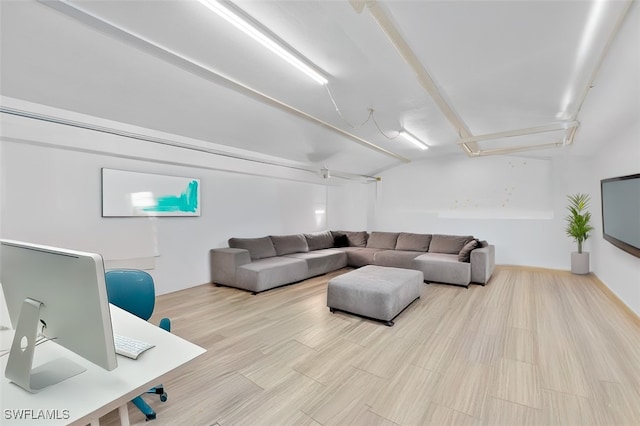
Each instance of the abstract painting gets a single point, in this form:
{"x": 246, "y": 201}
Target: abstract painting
{"x": 127, "y": 194}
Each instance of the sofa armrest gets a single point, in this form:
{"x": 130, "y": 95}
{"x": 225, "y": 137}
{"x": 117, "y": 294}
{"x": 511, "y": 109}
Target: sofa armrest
{"x": 483, "y": 262}
{"x": 224, "y": 262}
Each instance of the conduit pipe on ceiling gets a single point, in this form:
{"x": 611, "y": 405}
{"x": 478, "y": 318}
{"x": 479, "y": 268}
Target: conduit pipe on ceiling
{"x": 201, "y": 70}
{"x": 502, "y": 151}
{"x": 466, "y": 140}
{"x": 176, "y": 144}
{"x": 424, "y": 78}
{"x": 521, "y": 132}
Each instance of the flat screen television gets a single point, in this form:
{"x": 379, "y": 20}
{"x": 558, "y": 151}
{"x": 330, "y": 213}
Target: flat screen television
{"x": 621, "y": 212}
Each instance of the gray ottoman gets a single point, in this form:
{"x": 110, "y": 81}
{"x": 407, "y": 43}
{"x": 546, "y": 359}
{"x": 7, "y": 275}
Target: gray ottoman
{"x": 376, "y": 292}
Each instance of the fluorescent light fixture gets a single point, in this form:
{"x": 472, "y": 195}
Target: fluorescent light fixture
{"x": 587, "y": 41}
{"x": 417, "y": 142}
{"x": 243, "y": 22}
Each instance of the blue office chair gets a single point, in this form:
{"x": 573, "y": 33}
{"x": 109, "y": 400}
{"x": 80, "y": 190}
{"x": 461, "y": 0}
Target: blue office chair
{"x": 133, "y": 290}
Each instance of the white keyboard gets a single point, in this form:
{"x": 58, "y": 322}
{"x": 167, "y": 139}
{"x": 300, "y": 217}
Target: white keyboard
{"x": 131, "y": 348}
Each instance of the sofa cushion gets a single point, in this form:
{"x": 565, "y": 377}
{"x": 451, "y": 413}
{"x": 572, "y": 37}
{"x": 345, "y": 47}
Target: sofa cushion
{"x": 322, "y": 261}
{"x": 264, "y": 274}
{"x": 443, "y": 268}
{"x": 287, "y": 244}
{"x": 356, "y": 239}
{"x": 465, "y": 252}
{"x": 319, "y": 240}
{"x": 382, "y": 240}
{"x": 341, "y": 241}
{"x": 259, "y": 248}
{"x": 359, "y": 256}
{"x": 449, "y": 244}
{"x": 396, "y": 258}
{"x": 413, "y": 242}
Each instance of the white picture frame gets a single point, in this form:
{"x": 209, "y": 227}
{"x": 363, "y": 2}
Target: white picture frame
{"x": 136, "y": 194}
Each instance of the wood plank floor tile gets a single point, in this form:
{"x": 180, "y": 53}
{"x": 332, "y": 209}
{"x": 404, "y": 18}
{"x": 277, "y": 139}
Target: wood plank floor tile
{"x": 499, "y": 412}
{"x": 333, "y": 360}
{"x": 517, "y": 382}
{"x": 473, "y": 346}
{"x": 405, "y": 398}
{"x": 435, "y": 353}
{"x": 325, "y": 332}
{"x": 364, "y": 333}
{"x": 618, "y": 401}
{"x": 344, "y": 399}
{"x": 463, "y": 387}
{"x": 368, "y": 418}
{"x": 385, "y": 357}
{"x": 532, "y": 347}
{"x": 272, "y": 367}
{"x": 519, "y": 345}
{"x": 563, "y": 372}
{"x": 523, "y": 310}
{"x": 278, "y": 405}
{"x": 438, "y": 415}
{"x": 562, "y": 408}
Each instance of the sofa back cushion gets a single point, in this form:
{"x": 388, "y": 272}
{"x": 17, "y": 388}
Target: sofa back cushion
{"x": 356, "y": 239}
{"x": 258, "y": 248}
{"x": 287, "y": 244}
{"x": 319, "y": 240}
{"x": 413, "y": 242}
{"x": 465, "y": 252}
{"x": 450, "y": 244}
{"x": 340, "y": 240}
{"x": 382, "y": 240}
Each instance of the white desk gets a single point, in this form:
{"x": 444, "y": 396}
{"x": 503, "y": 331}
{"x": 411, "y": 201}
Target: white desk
{"x": 96, "y": 392}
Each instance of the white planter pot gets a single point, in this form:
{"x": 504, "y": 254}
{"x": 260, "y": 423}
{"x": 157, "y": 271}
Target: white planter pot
{"x": 580, "y": 262}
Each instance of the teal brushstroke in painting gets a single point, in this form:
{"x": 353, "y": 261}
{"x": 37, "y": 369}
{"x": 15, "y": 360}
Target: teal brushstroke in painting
{"x": 186, "y": 202}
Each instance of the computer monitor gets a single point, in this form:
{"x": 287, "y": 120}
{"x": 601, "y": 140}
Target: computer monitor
{"x": 61, "y": 293}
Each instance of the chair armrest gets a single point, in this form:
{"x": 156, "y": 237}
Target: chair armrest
{"x": 165, "y": 324}
{"x": 224, "y": 262}
{"x": 483, "y": 262}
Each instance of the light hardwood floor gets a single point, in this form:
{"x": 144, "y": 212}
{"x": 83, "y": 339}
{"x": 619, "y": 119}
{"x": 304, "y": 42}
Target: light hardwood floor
{"x": 532, "y": 347}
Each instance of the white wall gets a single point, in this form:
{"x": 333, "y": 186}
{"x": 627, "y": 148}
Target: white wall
{"x": 513, "y": 202}
{"x": 619, "y": 270}
{"x": 349, "y": 206}
{"x": 51, "y": 194}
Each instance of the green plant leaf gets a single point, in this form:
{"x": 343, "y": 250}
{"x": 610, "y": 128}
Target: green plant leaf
{"x": 578, "y": 220}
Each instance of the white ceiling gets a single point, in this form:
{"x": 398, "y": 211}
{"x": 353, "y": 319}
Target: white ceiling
{"x": 501, "y": 65}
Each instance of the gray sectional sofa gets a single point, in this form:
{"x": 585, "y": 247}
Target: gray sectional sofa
{"x": 259, "y": 264}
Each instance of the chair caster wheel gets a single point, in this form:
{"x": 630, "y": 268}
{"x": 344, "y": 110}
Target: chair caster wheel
{"x": 163, "y": 397}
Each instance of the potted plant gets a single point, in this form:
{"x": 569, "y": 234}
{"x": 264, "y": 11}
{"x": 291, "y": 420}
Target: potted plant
{"x": 578, "y": 228}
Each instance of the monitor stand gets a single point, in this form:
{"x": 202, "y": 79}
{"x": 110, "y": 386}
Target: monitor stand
{"x": 19, "y": 365}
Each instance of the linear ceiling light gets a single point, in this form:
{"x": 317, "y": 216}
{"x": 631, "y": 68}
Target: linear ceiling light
{"x": 417, "y": 142}
{"x": 249, "y": 26}
{"x": 587, "y": 42}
